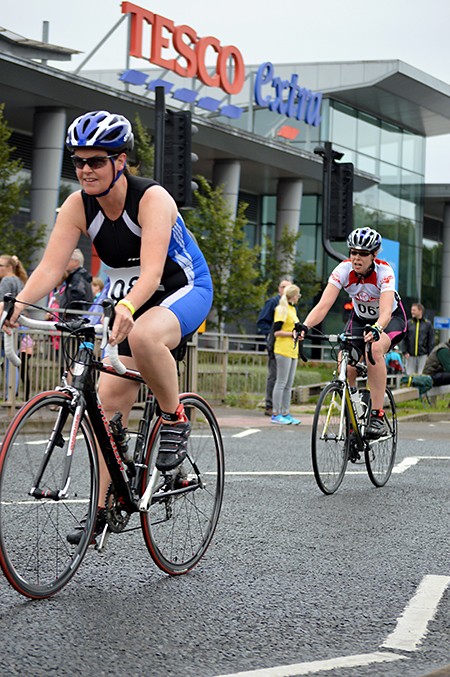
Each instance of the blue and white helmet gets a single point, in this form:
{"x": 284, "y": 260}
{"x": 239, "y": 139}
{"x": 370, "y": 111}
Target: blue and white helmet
{"x": 364, "y": 239}
{"x": 100, "y": 129}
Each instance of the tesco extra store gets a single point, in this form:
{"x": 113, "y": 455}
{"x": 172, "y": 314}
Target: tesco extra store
{"x": 258, "y": 126}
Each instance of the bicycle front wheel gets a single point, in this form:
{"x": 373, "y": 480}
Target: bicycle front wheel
{"x": 330, "y": 439}
{"x": 186, "y": 502}
{"x": 34, "y": 520}
{"x": 380, "y": 454}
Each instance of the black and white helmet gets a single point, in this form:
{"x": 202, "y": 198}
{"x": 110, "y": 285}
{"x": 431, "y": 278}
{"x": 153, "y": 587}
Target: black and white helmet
{"x": 365, "y": 239}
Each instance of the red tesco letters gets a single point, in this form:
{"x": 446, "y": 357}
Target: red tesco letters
{"x": 188, "y": 45}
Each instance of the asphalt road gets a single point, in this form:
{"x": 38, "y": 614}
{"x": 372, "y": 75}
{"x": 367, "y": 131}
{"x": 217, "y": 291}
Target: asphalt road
{"x": 357, "y": 584}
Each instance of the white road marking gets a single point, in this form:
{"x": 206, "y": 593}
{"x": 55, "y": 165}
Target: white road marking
{"x": 317, "y": 666}
{"x": 413, "y": 623}
{"x": 411, "y": 628}
{"x": 409, "y": 461}
{"x": 249, "y": 431}
{"x": 285, "y": 473}
{"x": 405, "y": 464}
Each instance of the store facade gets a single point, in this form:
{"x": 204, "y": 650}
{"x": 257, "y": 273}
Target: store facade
{"x": 258, "y": 126}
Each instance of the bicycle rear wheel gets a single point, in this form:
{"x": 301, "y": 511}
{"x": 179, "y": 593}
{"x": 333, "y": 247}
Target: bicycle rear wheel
{"x": 330, "y": 439}
{"x": 380, "y": 454}
{"x": 185, "y": 506}
{"x": 34, "y": 554}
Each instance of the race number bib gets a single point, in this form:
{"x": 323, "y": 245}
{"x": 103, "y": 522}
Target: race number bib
{"x": 122, "y": 281}
{"x": 368, "y": 311}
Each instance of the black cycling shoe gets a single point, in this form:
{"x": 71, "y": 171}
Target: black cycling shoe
{"x": 75, "y": 536}
{"x": 377, "y": 427}
{"x": 173, "y": 445}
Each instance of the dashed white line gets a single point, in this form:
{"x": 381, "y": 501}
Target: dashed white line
{"x": 249, "y": 431}
{"x": 413, "y": 623}
{"x": 410, "y": 630}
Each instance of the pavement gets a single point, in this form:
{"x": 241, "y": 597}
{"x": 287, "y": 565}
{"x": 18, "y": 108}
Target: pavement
{"x": 234, "y": 417}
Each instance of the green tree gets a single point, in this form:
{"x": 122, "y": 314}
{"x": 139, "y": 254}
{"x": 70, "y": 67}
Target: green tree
{"x": 21, "y": 241}
{"x": 282, "y": 259}
{"x": 238, "y": 292}
{"x": 145, "y": 150}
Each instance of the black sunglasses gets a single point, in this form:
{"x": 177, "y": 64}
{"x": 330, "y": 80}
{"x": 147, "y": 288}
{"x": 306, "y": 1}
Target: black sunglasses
{"x": 95, "y": 162}
{"x": 357, "y": 252}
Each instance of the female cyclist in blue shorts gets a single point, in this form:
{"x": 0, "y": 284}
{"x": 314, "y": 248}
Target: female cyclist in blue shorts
{"x": 159, "y": 277}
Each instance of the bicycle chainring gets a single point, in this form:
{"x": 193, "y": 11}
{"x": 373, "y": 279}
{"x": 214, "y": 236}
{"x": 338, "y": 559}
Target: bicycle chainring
{"x": 117, "y": 517}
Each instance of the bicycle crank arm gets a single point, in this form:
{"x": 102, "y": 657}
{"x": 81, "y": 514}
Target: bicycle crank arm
{"x": 103, "y": 539}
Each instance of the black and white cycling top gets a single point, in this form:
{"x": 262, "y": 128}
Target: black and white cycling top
{"x": 365, "y": 292}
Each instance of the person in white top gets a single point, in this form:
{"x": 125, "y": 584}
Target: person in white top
{"x": 377, "y": 316}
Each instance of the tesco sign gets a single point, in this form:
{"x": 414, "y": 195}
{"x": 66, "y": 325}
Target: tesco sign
{"x": 185, "y": 41}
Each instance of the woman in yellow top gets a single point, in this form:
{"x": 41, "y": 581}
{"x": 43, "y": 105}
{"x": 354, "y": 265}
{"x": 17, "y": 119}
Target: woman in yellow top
{"x": 286, "y": 355}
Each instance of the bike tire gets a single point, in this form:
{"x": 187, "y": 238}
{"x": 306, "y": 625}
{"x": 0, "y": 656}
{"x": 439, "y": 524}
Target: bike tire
{"x": 329, "y": 450}
{"x": 380, "y": 454}
{"x": 35, "y": 556}
{"x": 178, "y": 528}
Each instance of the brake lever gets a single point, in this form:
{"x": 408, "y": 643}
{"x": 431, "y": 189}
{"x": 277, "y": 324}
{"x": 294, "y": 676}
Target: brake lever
{"x": 368, "y": 328}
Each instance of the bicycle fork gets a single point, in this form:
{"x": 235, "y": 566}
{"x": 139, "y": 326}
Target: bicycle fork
{"x": 57, "y": 440}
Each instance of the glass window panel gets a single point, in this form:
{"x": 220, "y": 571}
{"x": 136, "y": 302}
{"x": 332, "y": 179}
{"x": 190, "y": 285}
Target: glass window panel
{"x": 411, "y": 195}
{"x": 413, "y": 156}
{"x": 306, "y": 247}
{"x": 369, "y": 132}
{"x": 391, "y": 143}
{"x": 389, "y": 189}
{"x": 343, "y": 126}
{"x": 366, "y": 164}
{"x": 308, "y": 212}
{"x": 269, "y": 209}
{"x": 367, "y": 198}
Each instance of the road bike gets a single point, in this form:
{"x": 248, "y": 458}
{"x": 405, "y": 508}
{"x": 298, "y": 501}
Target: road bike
{"x": 49, "y": 473}
{"x": 341, "y": 419}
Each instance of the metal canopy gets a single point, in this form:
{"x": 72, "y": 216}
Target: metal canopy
{"x": 26, "y": 85}
{"x": 392, "y": 90}
{"x": 12, "y": 43}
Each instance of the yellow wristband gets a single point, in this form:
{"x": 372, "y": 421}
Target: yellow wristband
{"x": 127, "y": 304}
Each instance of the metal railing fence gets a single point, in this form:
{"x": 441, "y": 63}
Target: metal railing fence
{"x": 216, "y": 366}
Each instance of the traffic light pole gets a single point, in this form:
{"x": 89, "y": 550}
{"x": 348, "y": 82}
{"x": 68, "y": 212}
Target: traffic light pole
{"x": 328, "y": 155}
{"x": 160, "y": 116}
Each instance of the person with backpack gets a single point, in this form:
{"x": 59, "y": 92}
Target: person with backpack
{"x": 394, "y": 361}
{"x": 77, "y": 294}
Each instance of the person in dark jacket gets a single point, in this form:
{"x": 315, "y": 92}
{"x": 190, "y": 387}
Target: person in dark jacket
{"x": 77, "y": 294}
{"x": 437, "y": 364}
{"x": 419, "y": 340}
{"x": 265, "y": 327}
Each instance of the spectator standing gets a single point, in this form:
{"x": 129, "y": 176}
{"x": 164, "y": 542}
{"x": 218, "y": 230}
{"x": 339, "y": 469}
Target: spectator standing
{"x": 12, "y": 275}
{"x": 53, "y": 304}
{"x": 286, "y": 354}
{"x": 12, "y": 279}
{"x": 265, "y": 327}
{"x": 419, "y": 340}
{"x": 437, "y": 364}
{"x": 97, "y": 286}
{"x": 77, "y": 294}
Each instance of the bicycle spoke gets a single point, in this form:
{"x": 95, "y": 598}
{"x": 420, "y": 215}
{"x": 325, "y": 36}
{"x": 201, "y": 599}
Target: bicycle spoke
{"x": 179, "y": 526}
{"x": 34, "y": 552}
{"x": 380, "y": 454}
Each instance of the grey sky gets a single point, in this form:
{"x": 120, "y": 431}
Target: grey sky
{"x": 414, "y": 31}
